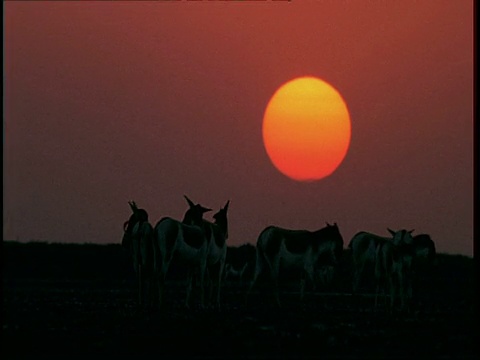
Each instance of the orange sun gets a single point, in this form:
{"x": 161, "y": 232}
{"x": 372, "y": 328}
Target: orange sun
{"x": 306, "y": 129}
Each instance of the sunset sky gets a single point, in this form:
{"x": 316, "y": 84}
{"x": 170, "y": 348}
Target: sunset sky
{"x": 106, "y": 102}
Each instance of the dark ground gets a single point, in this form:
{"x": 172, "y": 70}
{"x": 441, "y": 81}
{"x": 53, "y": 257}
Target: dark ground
{"x": 78, "y": 301}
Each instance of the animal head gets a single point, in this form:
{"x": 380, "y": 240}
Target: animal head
{"x": 424, "y": 248}
{"x": 328, "y": 243}
{"x": 138, "y": 215}
{"x": 334, "y": 232}
{"x": 194, "y": 214}
{"x": 127, "y": 232}
{"x": 401, "y": 237}
{"x": 133, "y": 206}
{"x": 221, "y": 218}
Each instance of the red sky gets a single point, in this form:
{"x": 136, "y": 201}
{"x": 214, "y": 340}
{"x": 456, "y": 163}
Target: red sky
{"x": 106, "y": 102}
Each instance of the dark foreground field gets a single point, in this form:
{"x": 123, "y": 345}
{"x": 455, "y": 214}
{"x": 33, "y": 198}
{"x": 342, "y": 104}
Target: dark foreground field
{"x": 79, "y": 301}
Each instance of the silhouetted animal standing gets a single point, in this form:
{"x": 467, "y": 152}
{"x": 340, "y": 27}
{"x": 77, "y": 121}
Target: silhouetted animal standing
{"x": 185, "y": 241}
{"x": 138, "y": 240}
{"x": 390, "y": 259}
{"x": 302, "y": 249}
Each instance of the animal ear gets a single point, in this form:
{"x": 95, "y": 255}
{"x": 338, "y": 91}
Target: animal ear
{"x": 226, "y": 205}
{"x": 326, "y": 222}
{"x": 410, "y": 232}
{"x": 190, "y": 202}
{"x": 204, "y": 210}
{"x": 133, "y": 206}
{"x": 391, "y": 231}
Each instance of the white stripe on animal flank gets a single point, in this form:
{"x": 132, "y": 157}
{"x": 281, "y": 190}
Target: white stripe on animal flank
{"x": 184, "y": 241}
{"x": 388, "y": 260}
{"x": 305, "y": 250}
{"x": 138, "y": 240}
{"x": 217, "y": 249}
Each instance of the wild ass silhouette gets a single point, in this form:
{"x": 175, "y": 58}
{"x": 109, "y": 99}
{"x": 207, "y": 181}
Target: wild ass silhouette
{"x": 390, "y": 259}
{"x": 296, "y": 249}
{"x": 138, "y": 241}
{"x": 185, "y": 241}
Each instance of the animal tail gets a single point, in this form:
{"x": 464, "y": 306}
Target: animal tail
{"x": 260, "y": 262}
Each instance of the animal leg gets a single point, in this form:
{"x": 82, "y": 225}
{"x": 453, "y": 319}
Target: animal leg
{"x": 259, "y": 266}
{"x": 409, "y": 294}
{"x": 203, "y": 266}
{"x": 152, "y": 294}
{"x": 146, "y": 287}
{"x": 250, "y": 287}
{"x": 161, "y": 282}
{"x": 140, "y": 285}
{"x": 381, "y": 286}
{"x": 209, "y": 283}
{"x": 307, "y": 276}
{"x": 242, "y": 272}
{"x": 219, "y": 283}
{"x": 148, "y": 294}
{"x": 377, "y": 291}
{"x": 302, "y": 289}
{"x": 401, "y": 293}
{"x": 358, "y": 276}
{"x": 189, "y": 288}
{"x": 392, "y": 285}
{"x": 275, "y": 278}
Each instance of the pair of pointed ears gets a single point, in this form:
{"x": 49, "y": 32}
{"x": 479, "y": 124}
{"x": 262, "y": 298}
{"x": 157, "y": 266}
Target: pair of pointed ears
{"x": 394, "y": 232}
{"x": 203, "y": 209}
{"x": 133, "y": 206}
{"x": 191, "y": 204}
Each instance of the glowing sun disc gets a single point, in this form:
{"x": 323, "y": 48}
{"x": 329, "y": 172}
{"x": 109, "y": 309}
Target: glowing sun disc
{"x": 306, "y": 129}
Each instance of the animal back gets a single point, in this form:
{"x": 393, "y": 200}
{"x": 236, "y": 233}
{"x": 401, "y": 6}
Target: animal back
{"x": 270, "y": 240}
{"x": 193, "y": 236}
{"x": 297, "y": 243}
{"x": 169, "y": 228}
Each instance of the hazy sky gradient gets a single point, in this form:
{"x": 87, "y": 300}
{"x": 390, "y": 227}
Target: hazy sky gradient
{"x": 106, "y": 102}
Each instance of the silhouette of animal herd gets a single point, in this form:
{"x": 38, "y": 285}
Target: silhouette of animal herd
{"x": 200, "y": 247}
